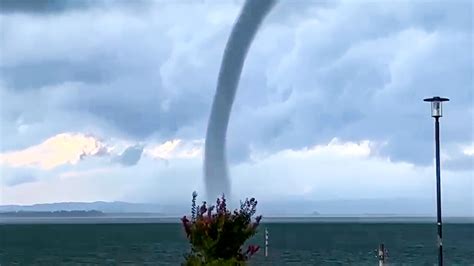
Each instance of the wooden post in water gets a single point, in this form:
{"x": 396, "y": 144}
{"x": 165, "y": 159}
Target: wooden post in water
{"x": 266, "y": 242}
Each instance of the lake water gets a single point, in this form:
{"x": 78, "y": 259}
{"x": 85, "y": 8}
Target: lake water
{"x": 290, "y": 244}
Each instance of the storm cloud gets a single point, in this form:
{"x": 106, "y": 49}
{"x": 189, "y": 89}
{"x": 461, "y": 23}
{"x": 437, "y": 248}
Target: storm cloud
{"x": 145, "y": 72}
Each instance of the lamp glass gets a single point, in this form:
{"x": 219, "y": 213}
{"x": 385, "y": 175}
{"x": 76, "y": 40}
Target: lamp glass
{"x": 436, "y": 109}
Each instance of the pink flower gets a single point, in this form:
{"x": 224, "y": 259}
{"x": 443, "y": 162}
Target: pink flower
{"x": 251, "y": 250}
{"x": 187, "y": 226}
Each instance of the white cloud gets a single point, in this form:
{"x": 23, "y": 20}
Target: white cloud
{"x": 65, "y": 148}
{"x": 176, "y": 148}
{"x": 71, "y": 148}
{"x": 469, "y": 150}
{"x": 63, "y": 155}
{"x": 335, "y": 170}
{"x": 336, "y": 147}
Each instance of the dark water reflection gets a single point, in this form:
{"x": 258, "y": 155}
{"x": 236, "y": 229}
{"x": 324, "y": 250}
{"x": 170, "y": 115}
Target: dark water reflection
{"x": 290, "y": 244}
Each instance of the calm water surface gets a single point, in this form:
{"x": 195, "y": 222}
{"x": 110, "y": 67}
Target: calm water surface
{"x": 290, "y": 244}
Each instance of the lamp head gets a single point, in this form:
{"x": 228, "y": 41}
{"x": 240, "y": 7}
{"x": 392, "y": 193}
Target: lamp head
{"x": 436, "y": 105}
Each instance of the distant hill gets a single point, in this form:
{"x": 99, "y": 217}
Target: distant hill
{"x": 363, "y": 207}
{"x": 20, "y": 214}
{"x": 272, "y": 208}
{"x": 101, "y": 206}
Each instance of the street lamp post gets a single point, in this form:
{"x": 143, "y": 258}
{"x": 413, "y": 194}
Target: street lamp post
{"x": 437, "y": 112}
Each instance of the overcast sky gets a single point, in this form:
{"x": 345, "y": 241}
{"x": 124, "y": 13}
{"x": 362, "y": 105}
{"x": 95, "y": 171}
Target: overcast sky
{"x": 109, "y": 100}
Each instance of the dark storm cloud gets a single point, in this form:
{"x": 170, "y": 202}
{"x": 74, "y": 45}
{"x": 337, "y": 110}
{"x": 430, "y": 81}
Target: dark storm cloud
{"x": 133, "y": 78}
{"x": 42, "y": 74}
{"x": 367, "y": 81}
{"x": 40, "y": 6}
{"x": 130, "y": 156}
{"x": 49, "y": 7}
{"x": 316, "y": 71}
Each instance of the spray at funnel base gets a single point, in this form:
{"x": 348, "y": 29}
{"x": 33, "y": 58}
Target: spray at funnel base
{"x": 215, "y": 162}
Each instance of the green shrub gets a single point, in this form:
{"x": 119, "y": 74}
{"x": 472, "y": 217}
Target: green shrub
{"x": 217, "y": 235}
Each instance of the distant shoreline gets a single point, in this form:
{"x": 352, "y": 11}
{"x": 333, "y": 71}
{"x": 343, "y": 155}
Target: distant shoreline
{"x": 140, "y": 219}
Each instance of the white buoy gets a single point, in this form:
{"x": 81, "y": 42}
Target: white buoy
{"x": 266, "y": 242}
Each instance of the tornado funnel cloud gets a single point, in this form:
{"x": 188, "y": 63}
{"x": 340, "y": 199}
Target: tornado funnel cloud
{"x": 244, "y": 30}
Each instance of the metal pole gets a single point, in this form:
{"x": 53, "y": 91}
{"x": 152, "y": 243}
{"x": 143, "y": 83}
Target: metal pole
{"x": 438, "y": 194}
